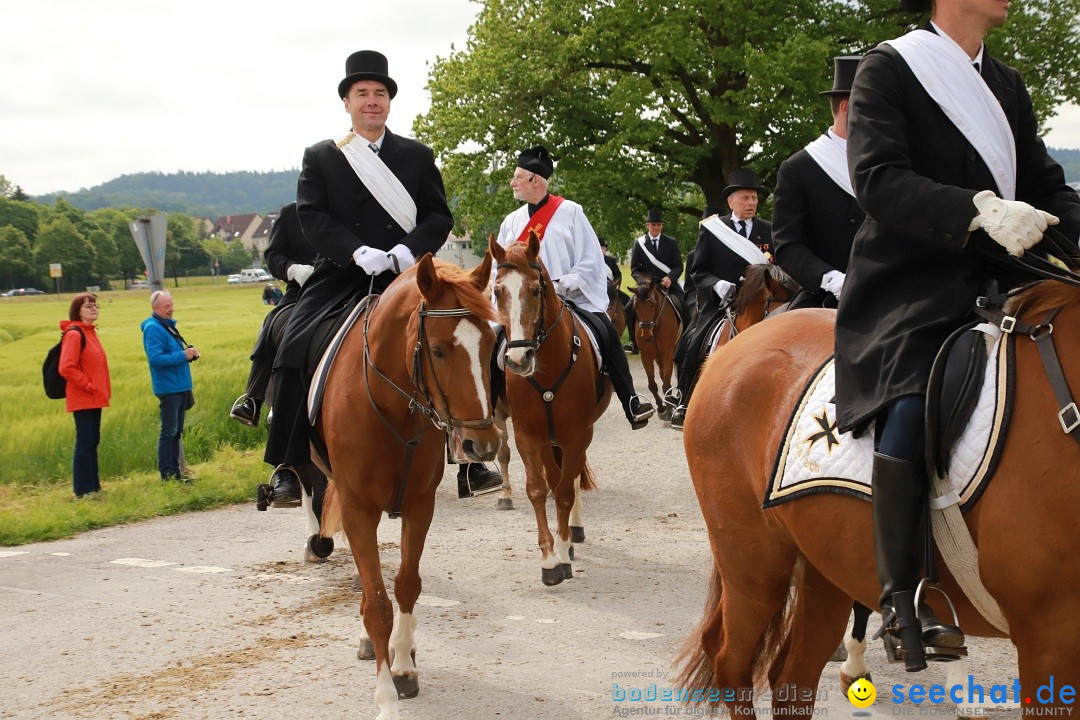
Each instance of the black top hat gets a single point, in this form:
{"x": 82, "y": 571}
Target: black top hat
{"x": 742, "y": 180}
{"x": 844, "y": 68}
{"x": 366, "y": 65}
{"x": 536, "y": 160}
{"x": 603, "y": 240}
{"x": 915, "y": 6}
{"x": 655, "y": 216}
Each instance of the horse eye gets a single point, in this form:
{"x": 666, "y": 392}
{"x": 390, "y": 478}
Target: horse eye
{"x": 438, "y": 352}
{"x": 536, "y": 292}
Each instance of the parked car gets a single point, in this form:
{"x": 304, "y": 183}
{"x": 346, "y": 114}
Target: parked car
{"x": 250, "y": 275}
{"x": 140, "y": 284}
{"x": 22, "y": 291}
{"x": 233, "y": 280}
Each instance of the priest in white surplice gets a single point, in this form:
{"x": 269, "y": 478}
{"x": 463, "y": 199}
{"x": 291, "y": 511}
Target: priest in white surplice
{"x": 572, "y": 255}
{"x": 945, "y": 157}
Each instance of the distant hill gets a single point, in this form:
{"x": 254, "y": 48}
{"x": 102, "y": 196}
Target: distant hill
{"x": 196, "y": 193}
{"x": 1070, "y": 163}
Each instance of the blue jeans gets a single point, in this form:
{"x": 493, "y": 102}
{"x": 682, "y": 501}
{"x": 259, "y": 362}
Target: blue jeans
{"x": 84, "y": 465}
{"x": 172, "y": 406}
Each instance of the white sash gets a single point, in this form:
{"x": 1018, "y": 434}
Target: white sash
{"x": 380, "y": 180}
{"x": 641, "y": 241}
{"x": 946, "y": 73}
{"x": 830, "y": 153}
{"x": 742, "y": 247}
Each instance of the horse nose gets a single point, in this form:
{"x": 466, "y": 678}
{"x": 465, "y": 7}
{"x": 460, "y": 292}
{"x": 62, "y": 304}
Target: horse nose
{"x": 481, "y": 449}
{"x": 521, "y": 360}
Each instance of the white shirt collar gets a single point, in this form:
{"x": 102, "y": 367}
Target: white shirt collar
{"x": 978, "y": 56}
{"x": 736, "y": 219}
{"x": 834, "y": 136}
{"x": 378, "y": 143}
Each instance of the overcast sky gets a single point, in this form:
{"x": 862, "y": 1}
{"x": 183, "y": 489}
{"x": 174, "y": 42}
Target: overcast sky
{"x": 91, "y": 90}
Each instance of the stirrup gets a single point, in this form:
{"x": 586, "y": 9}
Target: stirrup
{"x": 938, "y": 653}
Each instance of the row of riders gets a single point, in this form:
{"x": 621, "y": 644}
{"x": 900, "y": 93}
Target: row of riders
{"x": 927, "y": 159}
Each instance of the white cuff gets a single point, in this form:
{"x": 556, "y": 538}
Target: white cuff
{"x": 723, "y": 288}
{"x": 402, "y": 257}
{"x": 830, "y": 277}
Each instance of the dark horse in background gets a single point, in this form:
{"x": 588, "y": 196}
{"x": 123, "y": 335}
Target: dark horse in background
{"x": 784, "y": 578}
{"x": 659, "y": 327}
{"x": 412, "y": 375}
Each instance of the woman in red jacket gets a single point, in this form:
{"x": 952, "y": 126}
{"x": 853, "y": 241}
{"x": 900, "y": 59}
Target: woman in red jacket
{"x": 86, "y": 370}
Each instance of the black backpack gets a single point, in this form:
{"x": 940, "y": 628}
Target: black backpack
{"x": 55, "y": 384}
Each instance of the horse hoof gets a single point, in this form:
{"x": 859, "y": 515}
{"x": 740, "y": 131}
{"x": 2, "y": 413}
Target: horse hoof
{"x": 504, "y": 504}
{"x": 552, "y": 576}
{"x": 408, "y": 686}
{"x": 577, "y": 534}
{"x": 320, "y": 547}
{"x": 567, "y": 570}
{"x": 571, "y": 552}
{"x": 664, "y": 414}
{"x": 846, "y": 680}
{"x": 367, "y": 650}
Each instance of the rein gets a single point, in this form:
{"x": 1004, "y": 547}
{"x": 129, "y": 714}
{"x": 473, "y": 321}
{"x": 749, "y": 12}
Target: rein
{"x": 540, "y": 335}
{"x": 417, "y": 407}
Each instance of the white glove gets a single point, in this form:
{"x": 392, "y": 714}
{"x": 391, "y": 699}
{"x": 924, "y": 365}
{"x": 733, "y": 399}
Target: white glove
{"x": 405, "y": 258}
{"x": 299, "y": 273}
{"x": 725, "y": 290}
{"x": 566, "y": 283}
{"x": 371, "y": 261}
{"x": 833, "y": 282}
{"x": 1013, "y": 224}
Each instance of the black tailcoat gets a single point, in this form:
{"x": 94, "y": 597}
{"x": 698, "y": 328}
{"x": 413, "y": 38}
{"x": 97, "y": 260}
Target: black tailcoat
{"x": 667, "y": 252}
{"x": 913, "y": 276}
{"x": 338, "y": 214}
{"x": 288, "y": 247}
{"x": 713, "y": 260}
{"x": 814, "y": 223}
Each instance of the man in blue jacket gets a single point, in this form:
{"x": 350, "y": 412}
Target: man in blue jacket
{"x": 169, "y": 356}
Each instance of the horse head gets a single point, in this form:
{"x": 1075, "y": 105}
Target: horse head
{"x": 765, "y": 287}
{"x": 648, "y": 304}
{"x": 525, "y": 299}
{"x": 449, "y": 344}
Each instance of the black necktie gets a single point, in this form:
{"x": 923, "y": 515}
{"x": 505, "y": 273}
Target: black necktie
{"x": 977, "y": 69}
{"x": 374, "y": 148}
{"x": 652, "y": 245}
{"x": 744, "y": 229}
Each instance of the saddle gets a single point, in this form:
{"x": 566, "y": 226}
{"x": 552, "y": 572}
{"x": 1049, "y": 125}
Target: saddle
{"x": 603, "y": 340}
{"x": 953, "y": 390}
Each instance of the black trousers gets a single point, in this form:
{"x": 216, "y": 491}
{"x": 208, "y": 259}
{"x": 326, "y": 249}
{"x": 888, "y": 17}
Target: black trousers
{"x": 615, "y": 363}
{"x": 262, "y": 355}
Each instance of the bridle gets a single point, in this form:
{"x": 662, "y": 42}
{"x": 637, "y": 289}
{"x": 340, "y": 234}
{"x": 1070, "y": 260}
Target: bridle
{"x": 540, "y": 334}
{"x": 421, "y": 403}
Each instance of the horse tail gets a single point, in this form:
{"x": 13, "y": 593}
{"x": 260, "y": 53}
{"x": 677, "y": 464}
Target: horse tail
{"x": 330, "y": 522}
{"x": 697, "y": 674}
{"x": 588, "y": 480}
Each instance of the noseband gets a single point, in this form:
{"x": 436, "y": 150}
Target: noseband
{"x": 540, "y": 333}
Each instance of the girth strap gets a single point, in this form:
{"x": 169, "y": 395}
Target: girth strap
{"x": 548, "y": 394}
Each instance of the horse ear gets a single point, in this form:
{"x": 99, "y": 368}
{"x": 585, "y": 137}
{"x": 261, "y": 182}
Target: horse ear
{"x": 633, "y": 290}
{"x": 481, "y": 274}
{"x": 534, "y": 245}
{"x": 497, "y": 251}
{"x": 427, "y": 279}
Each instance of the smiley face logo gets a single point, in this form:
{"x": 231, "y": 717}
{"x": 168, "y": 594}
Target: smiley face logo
{"x": 862, "y": 693}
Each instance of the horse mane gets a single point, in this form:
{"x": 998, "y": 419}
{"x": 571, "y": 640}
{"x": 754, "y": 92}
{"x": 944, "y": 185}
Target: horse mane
{"x": 643, "y": 289}
{"x": 1040, "y": 298}
{"x": 471, "y": 298}
{"x": 754, "y": 284}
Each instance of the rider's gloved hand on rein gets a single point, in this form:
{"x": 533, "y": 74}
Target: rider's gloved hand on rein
{"x": 401, "y": 257}
{"x": 833, "y": 282}
{"x": 725, "y": 290}
{"x": 299, "y": 273}
{"x": 1013, "y": 224}
{"x": 565, "y": 284}
{"x": 372, "y": 261}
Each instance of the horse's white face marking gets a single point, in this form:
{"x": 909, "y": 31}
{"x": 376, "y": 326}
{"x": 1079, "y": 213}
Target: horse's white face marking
{"x": 513, "y": 283}
{"x": 468, "y": 337}
{"x": 402, "y": 644}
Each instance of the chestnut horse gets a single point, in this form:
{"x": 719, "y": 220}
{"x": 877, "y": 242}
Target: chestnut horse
{"x": 658, "y": 329}
{"x": 615, "y": 309}
{"x": 765, "y": 290}
{"x": 413, "y": 366}
{"x": 552, "y": 383}
{"x": 784, "y": 577}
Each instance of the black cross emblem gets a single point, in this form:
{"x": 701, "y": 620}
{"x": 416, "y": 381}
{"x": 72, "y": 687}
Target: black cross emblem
{"x": 828, "y": 431}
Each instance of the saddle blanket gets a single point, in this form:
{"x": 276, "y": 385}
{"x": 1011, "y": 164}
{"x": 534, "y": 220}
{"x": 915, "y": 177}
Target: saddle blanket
{"x": 322, "y": 370}
{"x": 814, "y": 457}
{"x": 500, "y": 351}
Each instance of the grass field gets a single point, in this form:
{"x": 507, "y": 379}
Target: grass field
{"x": 38, "y": 435}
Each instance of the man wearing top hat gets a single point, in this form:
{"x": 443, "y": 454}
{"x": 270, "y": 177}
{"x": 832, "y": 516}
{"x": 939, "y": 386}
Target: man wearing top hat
{"x": 655, "y": 256}
{"x": 571, "y": 253}
{"x": 717, "y": 271}
{"x": 365, "y": 230}
{"x": 815, "y": 213}
{"x": 937, "y": 193}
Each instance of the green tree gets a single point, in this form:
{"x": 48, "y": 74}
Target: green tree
{"x": 22, "y": 215}
{"x": 183, "y": 250}
{"x": 236, "y": 257}
{"x": 16, "y": 258}
{"x": 653, "y": 103}
{"x": 115, "y": 223}
{"x": 61, "y": 242}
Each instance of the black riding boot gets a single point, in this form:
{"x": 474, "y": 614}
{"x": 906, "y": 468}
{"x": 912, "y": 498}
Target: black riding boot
{"x": 637, "y": 409}
{"x": 246, "y": 410}
{"x": 286, "y": 488}
{"x": 631, "y": 328}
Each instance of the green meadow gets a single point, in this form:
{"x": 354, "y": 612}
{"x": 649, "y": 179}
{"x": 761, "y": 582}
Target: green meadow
{"x": 37, "y": 435}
